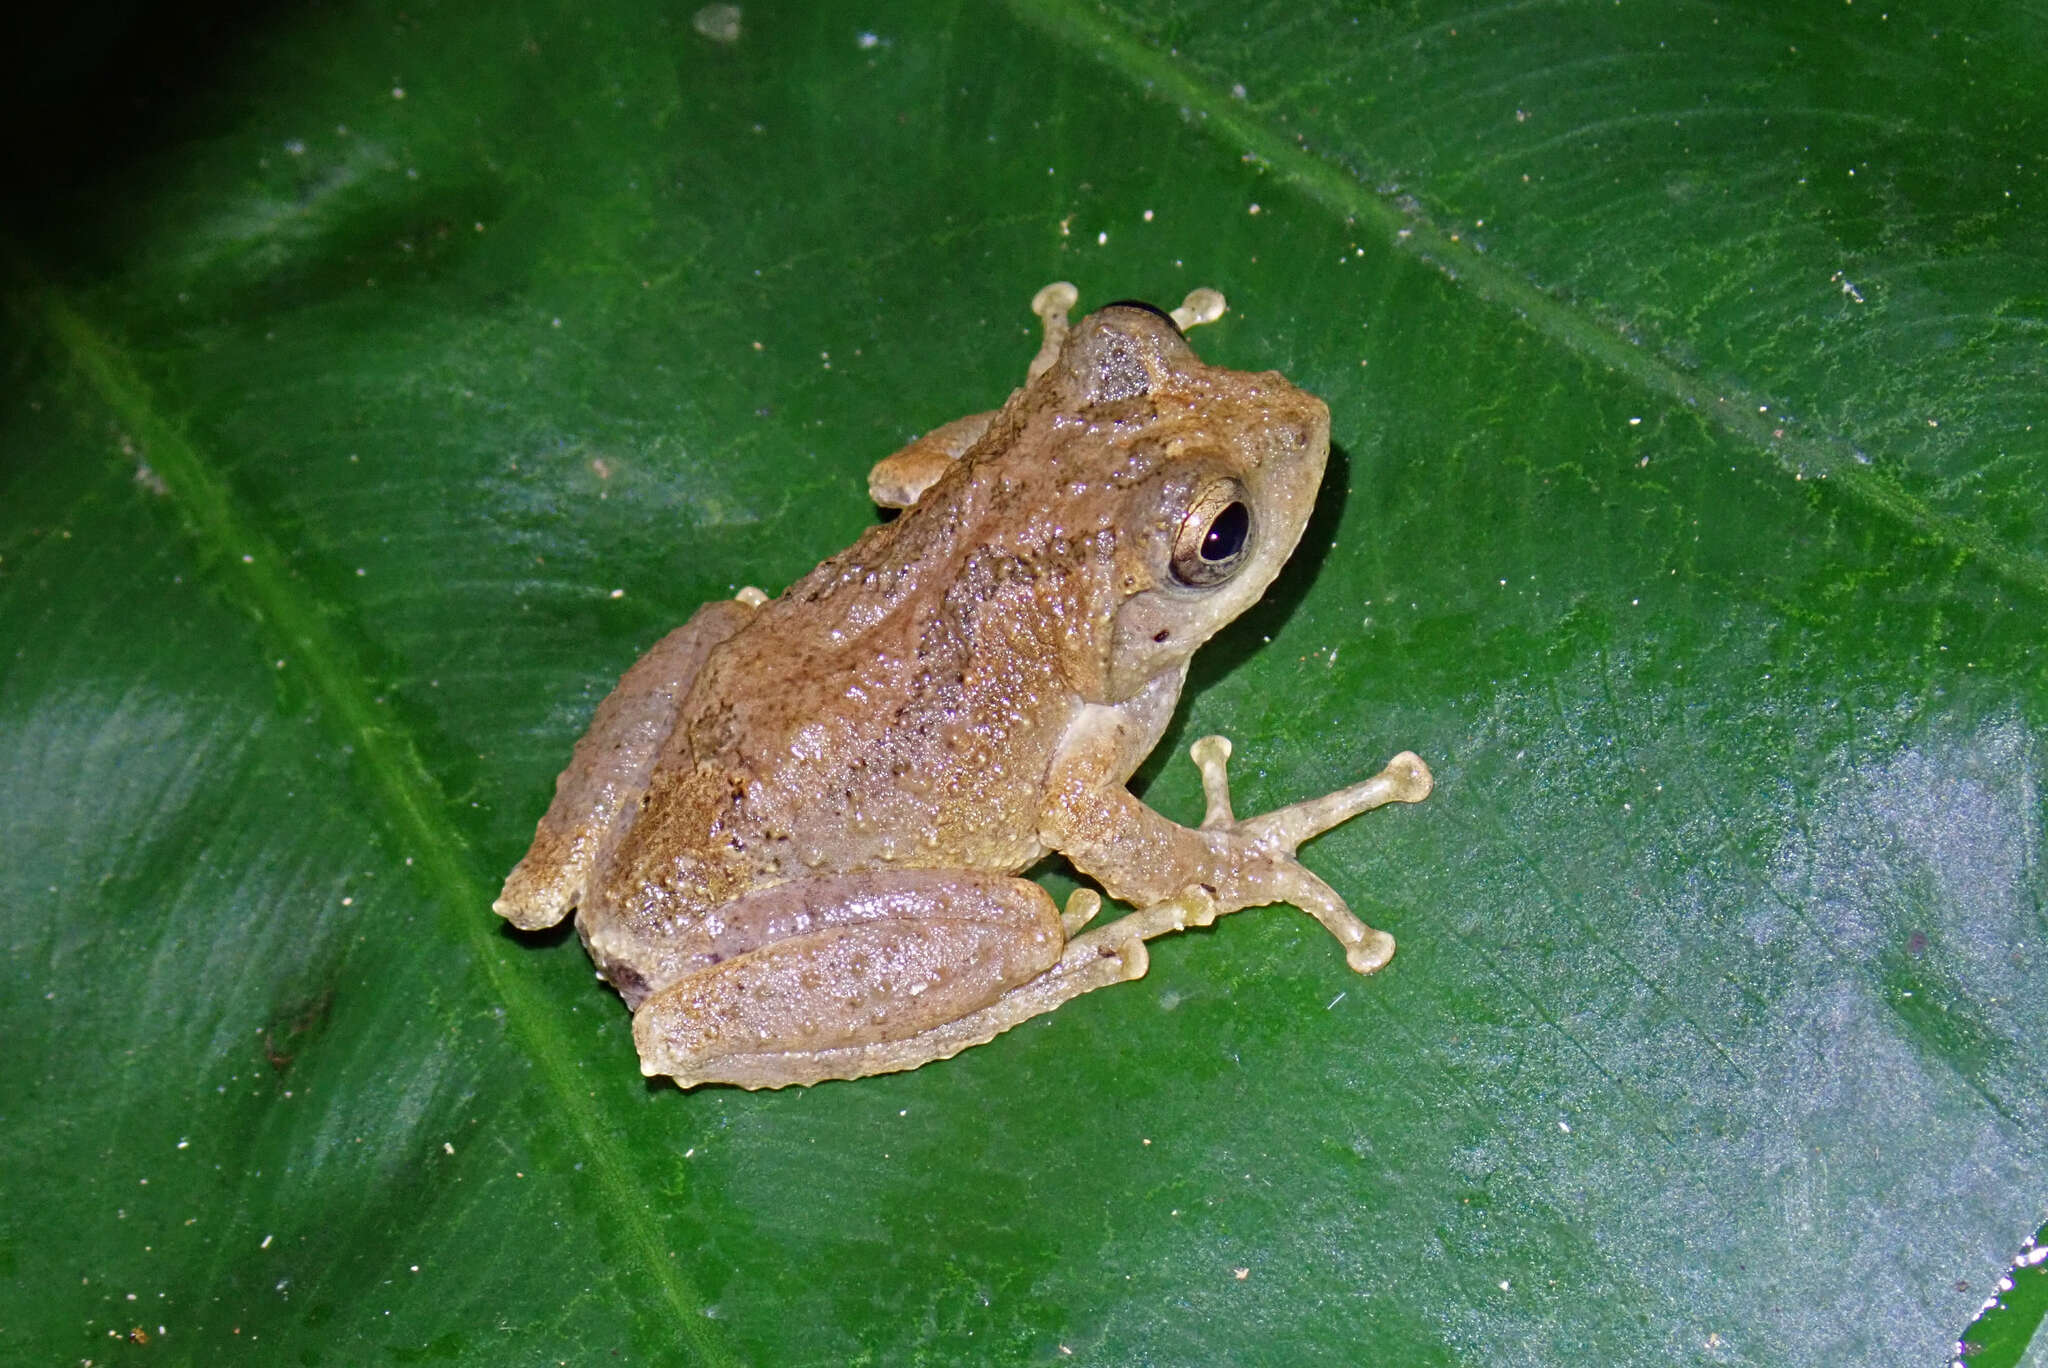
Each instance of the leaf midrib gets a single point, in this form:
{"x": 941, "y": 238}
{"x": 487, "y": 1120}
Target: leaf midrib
{"x": 257, "y": 570}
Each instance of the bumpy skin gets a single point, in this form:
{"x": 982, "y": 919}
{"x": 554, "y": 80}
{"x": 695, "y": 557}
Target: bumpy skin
{"x": 791, "y": 835}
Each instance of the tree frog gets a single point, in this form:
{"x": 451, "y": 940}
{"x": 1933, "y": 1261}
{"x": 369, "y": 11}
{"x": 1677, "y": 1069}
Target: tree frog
{"x": 793, "y": 834}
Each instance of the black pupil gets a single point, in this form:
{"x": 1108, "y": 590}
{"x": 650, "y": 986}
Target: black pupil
{"x": 1225, "y": 537}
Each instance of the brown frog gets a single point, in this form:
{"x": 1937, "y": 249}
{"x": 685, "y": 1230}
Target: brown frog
{"x": 792, "y": 834}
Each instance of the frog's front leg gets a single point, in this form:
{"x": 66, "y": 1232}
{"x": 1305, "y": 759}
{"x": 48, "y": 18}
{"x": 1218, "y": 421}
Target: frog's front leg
{"x": 1179, "y": 877}
{"x": 848, "y": 975}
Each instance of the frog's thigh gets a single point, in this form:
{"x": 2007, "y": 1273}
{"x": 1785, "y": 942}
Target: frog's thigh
{"x": 611, "y": 765}
{"x": 842, "y": 999}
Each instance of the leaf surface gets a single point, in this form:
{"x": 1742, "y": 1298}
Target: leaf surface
{"x": 411, "y": 371}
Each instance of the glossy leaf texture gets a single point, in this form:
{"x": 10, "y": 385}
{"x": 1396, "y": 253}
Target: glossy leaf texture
{"x": 379, "y": 390}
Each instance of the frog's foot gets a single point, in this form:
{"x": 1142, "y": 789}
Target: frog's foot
{"x": 1281, "y": 832}
{"x": 1276, "y": 876}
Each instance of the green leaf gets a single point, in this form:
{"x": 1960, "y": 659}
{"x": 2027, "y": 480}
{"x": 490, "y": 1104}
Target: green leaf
{"x": 2012, "y": 1315}
{"x": 379, "y": 382}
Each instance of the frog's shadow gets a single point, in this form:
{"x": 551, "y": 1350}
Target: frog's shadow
{"x": 1250, "y": 632}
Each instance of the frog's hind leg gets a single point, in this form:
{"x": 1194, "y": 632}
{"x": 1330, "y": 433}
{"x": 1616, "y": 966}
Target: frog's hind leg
{"x": 850, "y": 975}
{"x": 611, "y": 765}
{"x": 1073, "y": 975}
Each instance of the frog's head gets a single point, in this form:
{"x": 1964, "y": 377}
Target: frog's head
{"x": 1207, "y": 476}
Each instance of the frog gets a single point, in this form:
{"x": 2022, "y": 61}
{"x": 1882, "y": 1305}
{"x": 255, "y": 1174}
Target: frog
{"x": 794, "y": 837}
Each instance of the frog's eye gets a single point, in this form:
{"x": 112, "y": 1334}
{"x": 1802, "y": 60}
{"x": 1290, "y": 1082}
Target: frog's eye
{"x": 1215, "y": 537}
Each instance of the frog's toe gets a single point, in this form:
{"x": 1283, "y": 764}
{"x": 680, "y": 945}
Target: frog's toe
{"x": 1082, "y": 905}
{"x": 1202, "y": 305}
{"x": 1211, "y": 755}
{"x": 1410, "y": 778}
{"x": 1051, "y": 305}
{"x": 1371, "y": 954}
{"x": 1405, "y": 780}
{"x": 1134, "y": 958}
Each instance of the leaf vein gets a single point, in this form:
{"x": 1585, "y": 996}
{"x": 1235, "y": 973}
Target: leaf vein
{"x": 400, "y": 782}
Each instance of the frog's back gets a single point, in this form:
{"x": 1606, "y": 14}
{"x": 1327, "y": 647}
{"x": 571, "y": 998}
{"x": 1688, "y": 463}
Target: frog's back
{"x": 889, "y": 710}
